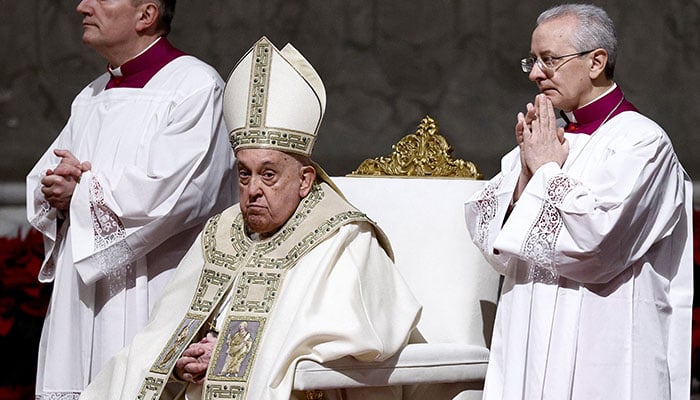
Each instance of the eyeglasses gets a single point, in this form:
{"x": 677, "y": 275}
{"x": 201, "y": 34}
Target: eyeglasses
{"x": 547, "y": 63}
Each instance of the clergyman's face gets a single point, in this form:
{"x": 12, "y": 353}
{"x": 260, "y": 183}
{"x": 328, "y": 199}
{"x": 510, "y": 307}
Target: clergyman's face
{"x": 271, "y": 185}
{"x": 568, "y": 85}
{"x": 108, "y": 24}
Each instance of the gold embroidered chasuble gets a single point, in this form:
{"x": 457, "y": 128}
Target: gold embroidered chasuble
{"x": 253, "y": 271}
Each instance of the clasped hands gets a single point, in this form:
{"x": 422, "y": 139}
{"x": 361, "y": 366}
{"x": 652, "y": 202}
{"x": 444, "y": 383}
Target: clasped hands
{"x": 59, "y": 183}
{"x": 192, "y": 365}
{"x": 538, "y": 136}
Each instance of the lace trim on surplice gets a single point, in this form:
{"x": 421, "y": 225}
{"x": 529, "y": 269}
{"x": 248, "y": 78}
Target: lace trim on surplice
{"x": 112, "y": 251}
{"x": 45, "y": 219}
{"x": 41, "y": 220}
{"x": 487, "y": 207}
{"x": 58, "y": 396}
{"x": 538, "y": 248}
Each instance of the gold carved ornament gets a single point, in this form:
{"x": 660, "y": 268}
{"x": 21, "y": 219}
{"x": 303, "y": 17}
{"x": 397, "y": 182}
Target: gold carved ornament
{"x": 315, "y": 395}
{"x": 424, "y": 153}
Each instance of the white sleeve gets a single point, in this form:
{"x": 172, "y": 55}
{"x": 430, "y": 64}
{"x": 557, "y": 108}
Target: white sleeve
{"x": 486, "y": 211}
{"x": 120, "y": 219}
{"x": 591, "y": 228}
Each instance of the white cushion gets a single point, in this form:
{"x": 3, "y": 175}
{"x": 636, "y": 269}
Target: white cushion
{"x": 415, "y": 364}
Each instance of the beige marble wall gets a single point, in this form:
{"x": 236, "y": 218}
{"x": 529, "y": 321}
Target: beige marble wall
{"x": 385, "y": 64}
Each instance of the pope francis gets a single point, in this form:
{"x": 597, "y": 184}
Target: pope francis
{"x": 291, "y": 272}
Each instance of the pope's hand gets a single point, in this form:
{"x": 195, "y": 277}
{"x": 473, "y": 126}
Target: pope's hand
{"x": 192, "y": 365}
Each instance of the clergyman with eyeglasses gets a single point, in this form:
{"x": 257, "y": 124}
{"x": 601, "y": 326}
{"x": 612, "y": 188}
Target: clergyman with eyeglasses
{"x": 588, "y": 221}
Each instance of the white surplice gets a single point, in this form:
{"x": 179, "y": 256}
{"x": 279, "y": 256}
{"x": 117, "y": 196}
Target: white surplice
{"x": 597, "y": 259}
{"x": 161, "y": 165}
{"x": 344, "y": 297}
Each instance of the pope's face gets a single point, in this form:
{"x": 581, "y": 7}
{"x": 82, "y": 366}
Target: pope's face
{"x": 568, "y": 85}
{"x": 109, "y": 25}
{"x": 271, "y": 185}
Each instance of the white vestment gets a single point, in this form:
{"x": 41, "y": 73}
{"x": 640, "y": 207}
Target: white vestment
{"x": 597, "y": 259}
{"x": 343, "y": 297}
{"x": 161, "y": 165}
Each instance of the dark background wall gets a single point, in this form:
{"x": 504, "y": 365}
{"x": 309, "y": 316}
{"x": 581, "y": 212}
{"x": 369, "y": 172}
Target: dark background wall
{"x": 385, "y": 64}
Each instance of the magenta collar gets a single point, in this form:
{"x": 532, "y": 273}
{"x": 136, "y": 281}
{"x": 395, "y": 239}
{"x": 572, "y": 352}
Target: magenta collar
{"x": 592, "y": 116}
{"x": 138, "y": 71}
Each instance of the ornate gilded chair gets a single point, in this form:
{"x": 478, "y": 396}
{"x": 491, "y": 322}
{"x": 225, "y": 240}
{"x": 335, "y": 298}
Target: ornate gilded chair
{"x": 417, "y": 196}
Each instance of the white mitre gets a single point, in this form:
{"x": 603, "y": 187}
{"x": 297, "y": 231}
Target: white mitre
{"x": 274, "y": 100}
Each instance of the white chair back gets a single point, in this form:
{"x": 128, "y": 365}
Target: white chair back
{"x": 424, "y": 220}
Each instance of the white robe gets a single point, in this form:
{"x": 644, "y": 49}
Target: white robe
{"x": 597, "y": 259}
{"x": 344, "y": 297}
{"x": 161, "y": 165}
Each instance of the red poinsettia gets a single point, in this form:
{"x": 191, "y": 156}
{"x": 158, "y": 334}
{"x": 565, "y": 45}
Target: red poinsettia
{"x": 20, "y": 291}
{"x": 696, "y": 236}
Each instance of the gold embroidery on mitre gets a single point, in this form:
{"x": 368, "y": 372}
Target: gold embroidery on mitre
{"x": 260, "y": 80}
{"x": 424, "y": 153}
{"x": 256, "y": 133}
{"x": 279, "y": 139}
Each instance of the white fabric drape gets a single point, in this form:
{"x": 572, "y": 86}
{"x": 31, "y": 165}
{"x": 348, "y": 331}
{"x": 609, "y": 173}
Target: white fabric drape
{"x": 161, "y": 164}
{"x": 345, "y": 297}
{"x": 598, "y": 273}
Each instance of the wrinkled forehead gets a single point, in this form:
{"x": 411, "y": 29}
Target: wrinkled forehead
{"x": 254, "y": 158}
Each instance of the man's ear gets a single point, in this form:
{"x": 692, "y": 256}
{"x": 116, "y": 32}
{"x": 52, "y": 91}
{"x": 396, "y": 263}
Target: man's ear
{"x": 599, "y": 60}
{"x": 148, "y": 18}
{"x": 308, "y": 176}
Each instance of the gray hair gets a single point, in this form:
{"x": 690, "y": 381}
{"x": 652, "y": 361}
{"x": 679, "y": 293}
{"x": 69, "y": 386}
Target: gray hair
{"x": 595, "y": 29}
